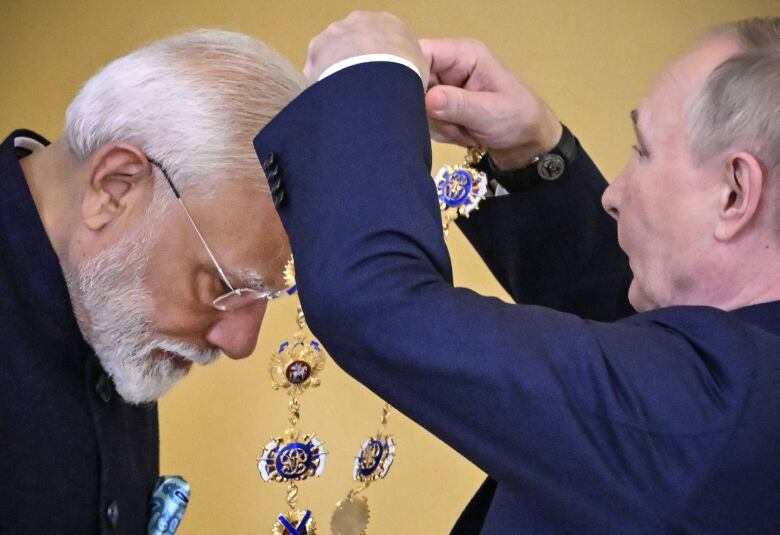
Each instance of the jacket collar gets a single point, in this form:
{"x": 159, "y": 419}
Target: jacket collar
{"x": 763, "y": 315}
{"x": 30, "y": 262}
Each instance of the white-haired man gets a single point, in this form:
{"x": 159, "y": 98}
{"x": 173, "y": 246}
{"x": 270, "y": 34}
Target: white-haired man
{"x": 665, "y": 421}
{"x": 143, "y": 241}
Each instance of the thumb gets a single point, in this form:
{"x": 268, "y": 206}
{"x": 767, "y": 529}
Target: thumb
{"x": 459, "y": 106}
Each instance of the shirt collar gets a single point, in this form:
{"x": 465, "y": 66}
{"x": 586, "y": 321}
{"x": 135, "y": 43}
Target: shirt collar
{"x": 27, "y": 143}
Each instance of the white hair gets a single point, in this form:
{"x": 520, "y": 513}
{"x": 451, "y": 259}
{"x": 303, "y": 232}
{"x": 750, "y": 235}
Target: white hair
{"x": 193, "y": 102}
{"x": 739, "y": 104}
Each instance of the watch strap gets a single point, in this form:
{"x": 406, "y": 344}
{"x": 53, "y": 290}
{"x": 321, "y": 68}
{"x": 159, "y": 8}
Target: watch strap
{"x": 544, "y": 167}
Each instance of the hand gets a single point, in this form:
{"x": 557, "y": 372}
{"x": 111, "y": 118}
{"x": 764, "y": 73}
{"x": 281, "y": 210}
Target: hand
{"x": 473, "y": 100}
{"x": 363, "y": 32}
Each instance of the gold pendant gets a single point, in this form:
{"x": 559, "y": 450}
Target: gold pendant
{"x": 294, "y": 457}
{"x": 350, "y": 517}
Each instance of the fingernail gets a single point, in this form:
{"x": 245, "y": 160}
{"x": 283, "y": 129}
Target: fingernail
{"x": 441, "y": 103}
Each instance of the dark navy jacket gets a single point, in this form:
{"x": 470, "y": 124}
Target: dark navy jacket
{"x": 551, "y": 245}
{"x": 74, "y": 458}
{"x": 662, "y": 422}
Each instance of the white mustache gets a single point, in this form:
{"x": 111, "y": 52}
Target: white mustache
{"x": 186, "y": 351}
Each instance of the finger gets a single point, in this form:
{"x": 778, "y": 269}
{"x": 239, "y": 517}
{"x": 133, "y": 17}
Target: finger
{"x": 312, "y": 52}
{"x": 469, "y": 109}
{"x": 452, "y": 60}
{"x": 433, "y": 79}
{"x": 307, "y": 70}
{"x": 450, "y": 133}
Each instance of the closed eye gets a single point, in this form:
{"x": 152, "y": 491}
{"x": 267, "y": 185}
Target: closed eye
{"x": 223, "y": 287}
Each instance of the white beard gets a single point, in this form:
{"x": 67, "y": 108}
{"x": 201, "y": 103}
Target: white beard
{"x": 112, "y": 307}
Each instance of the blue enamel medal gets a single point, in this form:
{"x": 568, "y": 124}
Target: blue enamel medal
{"x": 372, "y": 463}
{"x": 460, "y": 188}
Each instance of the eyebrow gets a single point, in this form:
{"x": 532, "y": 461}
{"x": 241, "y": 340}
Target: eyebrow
{"x": 249, "y": 278}
{"x": 637, "y": 131}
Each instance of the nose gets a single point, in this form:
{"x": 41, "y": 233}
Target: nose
{"x": 236, "y": 332}
{"x": 610, "y": 200}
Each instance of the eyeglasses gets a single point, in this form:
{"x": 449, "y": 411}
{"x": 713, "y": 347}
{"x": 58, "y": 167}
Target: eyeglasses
{"x": 236, "y": 298}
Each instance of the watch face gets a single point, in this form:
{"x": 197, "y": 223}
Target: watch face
{"x": 550, "y": 166}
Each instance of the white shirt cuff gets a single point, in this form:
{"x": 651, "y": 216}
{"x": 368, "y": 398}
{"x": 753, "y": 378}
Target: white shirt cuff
{"x": 367, "y": 58}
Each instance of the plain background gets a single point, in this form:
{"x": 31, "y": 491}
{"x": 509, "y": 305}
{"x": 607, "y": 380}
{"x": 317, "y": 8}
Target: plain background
{"x": 592, "y": 61}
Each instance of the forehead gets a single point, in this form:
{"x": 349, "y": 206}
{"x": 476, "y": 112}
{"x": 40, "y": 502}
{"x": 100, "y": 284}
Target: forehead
{"x": 684, "y": 77}
{"x": 240, "y": 222}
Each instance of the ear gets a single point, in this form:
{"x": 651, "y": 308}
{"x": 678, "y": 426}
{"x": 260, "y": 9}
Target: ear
{"x": 120, "y": 182}
{"x": 742, "y": 188}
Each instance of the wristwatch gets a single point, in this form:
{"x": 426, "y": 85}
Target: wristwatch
{"x": 548, "y": 166}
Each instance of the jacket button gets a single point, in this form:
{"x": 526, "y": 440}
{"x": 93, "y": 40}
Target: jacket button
{"x": 271, "y": 172}
{"x": 112, "y": 513}
{"x": 275, "y": 185}
{"x": 269, "y": 161}
{"x": 104, "y": 388}
{"x": 278, "y": 198}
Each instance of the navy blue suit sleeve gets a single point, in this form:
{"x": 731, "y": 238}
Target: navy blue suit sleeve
{"x": 554, "y": 245}
{"x": 551, "y": 245}
{"x": 595, "y": 423}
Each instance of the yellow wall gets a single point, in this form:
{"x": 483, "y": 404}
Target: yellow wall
{"x": 592, "y": 61}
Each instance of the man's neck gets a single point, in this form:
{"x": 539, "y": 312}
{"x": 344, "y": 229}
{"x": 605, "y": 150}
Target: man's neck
{"x": 763, "y": 289}
{"x": 754, "y": 273}
{"x": 48, "y": 175}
